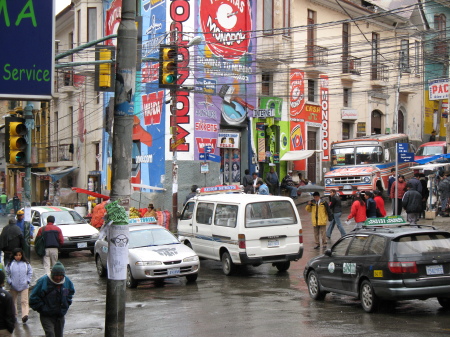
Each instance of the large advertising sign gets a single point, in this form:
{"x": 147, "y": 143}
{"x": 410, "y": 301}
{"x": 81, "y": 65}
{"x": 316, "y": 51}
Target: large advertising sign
{"x": 27, "y": 56}
{"x": 438, "y": 89}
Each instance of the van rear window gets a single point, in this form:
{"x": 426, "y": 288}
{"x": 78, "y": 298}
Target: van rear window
{"x": 270, "y": 213}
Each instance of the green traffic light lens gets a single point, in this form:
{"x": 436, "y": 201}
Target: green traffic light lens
{"x": 170, "y": 79}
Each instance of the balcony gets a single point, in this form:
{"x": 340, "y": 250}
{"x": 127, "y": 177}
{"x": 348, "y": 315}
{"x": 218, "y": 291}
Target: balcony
{"x": 351, "y": 68}
{"x": 67, "y": 81}
{"x": 316, "y": 58}
{"x": 379, "y": 74}
{"x": 62, "y": 152}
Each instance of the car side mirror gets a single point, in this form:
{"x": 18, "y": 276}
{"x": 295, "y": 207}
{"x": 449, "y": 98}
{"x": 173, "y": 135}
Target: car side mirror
{"x": 328, "y": 252}
{"x": 36, "y": 224}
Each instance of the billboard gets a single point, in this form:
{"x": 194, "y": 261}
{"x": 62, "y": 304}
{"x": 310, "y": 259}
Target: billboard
{"x": 27, "y": 42}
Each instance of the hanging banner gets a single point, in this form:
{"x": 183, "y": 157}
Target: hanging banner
{"x": 260, "y": 129}
{"x": 325, "y": 136}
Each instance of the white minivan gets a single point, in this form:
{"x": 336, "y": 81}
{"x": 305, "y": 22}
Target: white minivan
{"x": 242, "y": 229}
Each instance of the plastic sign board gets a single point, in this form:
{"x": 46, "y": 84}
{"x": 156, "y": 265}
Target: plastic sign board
{"x": 142, "y": 220}
{"x": 438, "y": 89}
{"x": 220, "y": 189}
{"x": 402, "y": 147}
{"x": 27, "y": 42}
{"x": 389, "y": 220}
{"x": 406, "y": 157}
{"x": 213, "y": 157}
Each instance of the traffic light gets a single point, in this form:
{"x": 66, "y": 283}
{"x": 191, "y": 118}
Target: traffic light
{"x": 104, "y": 76}
{"x": 168, "y": 72}
{"x": 15, "y": 142}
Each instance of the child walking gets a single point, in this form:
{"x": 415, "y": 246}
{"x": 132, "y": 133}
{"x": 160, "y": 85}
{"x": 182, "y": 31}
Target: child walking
{"x": 19, "y": 273}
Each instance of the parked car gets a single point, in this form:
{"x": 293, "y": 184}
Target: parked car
{"x": 242, "y": 229}
{"x": 431, "y": 149}
{"x": 384, "y": 264}
{"x": 154, "y": 253}
{"x": 78, "y": 234}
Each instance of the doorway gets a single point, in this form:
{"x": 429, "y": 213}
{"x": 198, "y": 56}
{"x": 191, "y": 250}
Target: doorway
{"x": 376, "y": 122}
{"x": 311, "y": 161}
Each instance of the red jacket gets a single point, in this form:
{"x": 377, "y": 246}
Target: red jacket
{"x": 52, "y": 234}
{"x": 358, "y": 211}
{"x": 380, "y": 205}
{"x": 401, "y": 189}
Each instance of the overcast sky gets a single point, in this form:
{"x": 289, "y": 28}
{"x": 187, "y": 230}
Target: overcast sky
{"x": 60, "y": 5}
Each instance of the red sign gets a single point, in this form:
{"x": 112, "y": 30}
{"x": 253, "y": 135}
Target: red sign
{"x": 297, "y": 93}
{"x": 202, "y": 142}
{"x": 152, "y": 107}
{"x": 227, "y": 27}
{"x": 324, "y": 103}
{"x": 112, "y": 20}
{"x": 150, "y": 72}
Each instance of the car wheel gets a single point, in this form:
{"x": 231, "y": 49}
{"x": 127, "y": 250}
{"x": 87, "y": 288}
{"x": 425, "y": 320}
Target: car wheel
{"x": 369, "y": 300}
{"x": 92, "y": 251}
{"x": 228, "y": 266}
{"x": 101, "y": 271}
{"x": 131, "y": 282}
{"x": 283, "y": 266}
{"x": 444, "y": 302}
{"x": 192, "y": 277}
{"x": 314, "y": 287}
{"x": 188, "y": 244}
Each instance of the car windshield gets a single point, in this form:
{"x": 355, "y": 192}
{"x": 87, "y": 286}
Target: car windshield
{"x": 357, "y": 156}
{"x": 422, "y": 244}
{"x": 64, "y": 218}
{"x": 269, "y": 213}
{"x": 151, "y": 237}
{"x": 429, "y": 150}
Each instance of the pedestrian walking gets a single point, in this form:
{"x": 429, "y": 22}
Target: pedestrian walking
{"x": 412, "y": 203}
{"x": 21, "y": 223}
{"x": 400, "y": 185}
{"x": 53, "y": 239}
{"x": 272, "y": 180}
{"x": 16, "y": 203}
{"x": 247, "y": 182}
{"x": 415, "y": 182}
{"x": 51, "y": 297}
{"x": 358, "y": 211}
{"x": 379, "y": 201}
{"x": 3, "y": 202}
{"x": 425, "y": 193}
{"x": 192, "y": 194}
{"x": 371, "y": 205}
{"x": 319, "y": 215}
{"x": 433, "y": 136}
{"x": 336, "y": 210}
{"x": 444, "y": 192}
{"x": 10, "y": 239}
{"x": 7, "y": 310}
{"x": 19, "y": 274}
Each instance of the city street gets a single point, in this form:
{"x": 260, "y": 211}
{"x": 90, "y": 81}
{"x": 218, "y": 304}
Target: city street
{"x": 258, "y": 301}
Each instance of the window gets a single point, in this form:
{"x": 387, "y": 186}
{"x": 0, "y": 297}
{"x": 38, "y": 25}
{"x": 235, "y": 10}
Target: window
{"x": 267, "y": 84}
{"x": 347, "y": 97}
{"x": 357, "y": 245}
{"x": 78, "y": 27}
{"x": 268, "y": 17}
{"x": 346, "y": 131}
{"x": 92, "y": 24}
{"x": 417, "y": 57}
{"x": 312, "y": 90}
{"x": 204, "y": 213}
{"x": 226, "y": 215}
{"x": 345, "y": 47}
{"x": 404, "y": 56}
{"x": 271, "y": 213}
{"x": 375, "y": 51}
{"x": 188, "y": 210}
{"x": 376, "y": 245}
{"x": 311, "y": 36}
{"x": 429, "y": 243}
{"x": 440, "y": 23}
{"x": 71, "y": 45}
{"x": 341, "y": 247}
{"x": 286, "y": 17}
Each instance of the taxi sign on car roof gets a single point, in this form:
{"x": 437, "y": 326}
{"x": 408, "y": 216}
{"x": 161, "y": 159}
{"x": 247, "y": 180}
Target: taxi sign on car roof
{"x": 389, "y": 220}
{"x": 220, "y": 189}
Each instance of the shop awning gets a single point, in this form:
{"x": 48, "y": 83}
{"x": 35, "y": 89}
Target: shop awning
{"x": 147, "y": 187}
{"x": 428, "y": 166}
{"x": 94, "y": 194}
{"x": 298, "y": 155}
{"x": 57, "y": 173}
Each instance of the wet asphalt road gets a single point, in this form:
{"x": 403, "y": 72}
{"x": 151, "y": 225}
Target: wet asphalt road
{"x": 258, "y": 301}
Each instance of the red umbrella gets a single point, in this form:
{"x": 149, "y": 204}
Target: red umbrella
{"x": 94, "y": 194}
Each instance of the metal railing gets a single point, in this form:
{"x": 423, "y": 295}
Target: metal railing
{"x": 316, "y": 55}
{"x": 379, "y": 72}
{"x": 351, "y": 65}
{"x": 62, "y": 152}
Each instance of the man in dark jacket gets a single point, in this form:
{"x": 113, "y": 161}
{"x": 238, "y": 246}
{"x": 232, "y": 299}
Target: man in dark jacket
{"x": 412, "y": 203}
{"x": 371, "y": 205}
{"x": 51, "y": 298}
{"x": 415, "y": 183}
{"x": 247, "y": 182}
{"x": 7, "y": 310}
{"x": 53, "y": 241}
{"x": 336, "y": 210}
{"x": 192, "y": 194}
{"x": 10, "y": 238}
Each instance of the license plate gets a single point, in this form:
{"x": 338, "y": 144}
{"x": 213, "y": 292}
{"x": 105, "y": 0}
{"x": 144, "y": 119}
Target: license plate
{"x": 82, "y": 245}
{"x": 173, "y": 271}
{"x": 435, "y": 270}
{"x": 273, "y": 243}
{"x": 347, "y": 187}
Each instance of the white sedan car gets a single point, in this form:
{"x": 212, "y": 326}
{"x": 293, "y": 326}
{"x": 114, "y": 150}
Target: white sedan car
{"x": 154, "y": 253}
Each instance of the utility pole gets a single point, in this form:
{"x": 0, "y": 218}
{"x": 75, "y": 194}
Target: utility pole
{"x": 26, "y": 198}
{"x": 121, "y": 165}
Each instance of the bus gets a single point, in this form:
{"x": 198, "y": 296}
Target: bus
{"x": 365, "y": 163}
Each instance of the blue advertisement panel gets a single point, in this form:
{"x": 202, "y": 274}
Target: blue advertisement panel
{"x": 224, "y": 69}
{"x": 27, "y": 42}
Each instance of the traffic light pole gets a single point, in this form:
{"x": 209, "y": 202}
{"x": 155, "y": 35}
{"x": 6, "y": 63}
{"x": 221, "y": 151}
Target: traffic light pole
{"x": 26, "y": 197}
{"x": 121, "y": 164}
